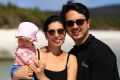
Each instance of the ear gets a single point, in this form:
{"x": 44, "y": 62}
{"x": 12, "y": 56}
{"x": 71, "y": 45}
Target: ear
{"x": 89, "y": 22}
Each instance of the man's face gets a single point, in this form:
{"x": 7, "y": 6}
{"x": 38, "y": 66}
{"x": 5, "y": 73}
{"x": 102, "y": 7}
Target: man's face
{"x": 76, "y": 24}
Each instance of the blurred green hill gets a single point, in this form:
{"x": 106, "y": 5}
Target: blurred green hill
{"x": 106, "y": 17}
{"x": 102, "y": 18}
{"x": 11, "y": 16}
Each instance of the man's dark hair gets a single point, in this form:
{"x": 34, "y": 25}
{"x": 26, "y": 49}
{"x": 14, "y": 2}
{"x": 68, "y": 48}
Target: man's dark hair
{"x": 78, "y": 7}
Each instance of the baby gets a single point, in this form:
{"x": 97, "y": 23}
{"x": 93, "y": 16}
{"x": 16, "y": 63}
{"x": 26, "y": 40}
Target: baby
{"x": 26, "y": 52}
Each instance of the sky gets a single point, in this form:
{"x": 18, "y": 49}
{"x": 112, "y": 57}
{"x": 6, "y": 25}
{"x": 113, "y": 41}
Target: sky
{"x": 56, "y": 5}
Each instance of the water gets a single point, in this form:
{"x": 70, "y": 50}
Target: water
{"x": 8, "y": 44}
{"x": 4, "y": 69}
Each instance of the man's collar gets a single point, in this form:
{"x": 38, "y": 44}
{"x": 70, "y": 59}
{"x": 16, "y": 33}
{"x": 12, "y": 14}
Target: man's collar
{"x": 88, "y": 40}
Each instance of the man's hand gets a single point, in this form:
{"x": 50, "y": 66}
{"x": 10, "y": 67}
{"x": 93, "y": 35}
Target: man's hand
{"x": 23, "y": 73}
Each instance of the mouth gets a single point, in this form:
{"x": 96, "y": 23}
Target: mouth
{"x": 76, "y": 31}
{"x": 57, "y": 41}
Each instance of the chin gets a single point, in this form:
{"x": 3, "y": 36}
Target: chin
{"x": 77, "y": 37}
{"x": 58, "y": 45}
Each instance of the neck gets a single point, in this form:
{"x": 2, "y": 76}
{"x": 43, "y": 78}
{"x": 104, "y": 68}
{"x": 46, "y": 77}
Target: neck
{"x": 81, "y": 40}
{"x": 54, "y": 50}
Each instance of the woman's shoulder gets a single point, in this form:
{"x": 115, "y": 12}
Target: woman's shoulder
{"x": 42, "y": 49}
{"x": 72, "y": 61}
{"x": 71, "y": 57}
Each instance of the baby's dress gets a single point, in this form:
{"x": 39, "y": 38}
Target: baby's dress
{"x": 25, "y": 55}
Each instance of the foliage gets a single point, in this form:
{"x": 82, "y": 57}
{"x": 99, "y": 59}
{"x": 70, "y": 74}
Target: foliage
{"x": 11, "y": 16}
{"x": 106, "y": 17}
{"x": 101, "y": 18}
{"x": 104, "y": 22}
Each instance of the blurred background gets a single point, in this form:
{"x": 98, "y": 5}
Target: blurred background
{"x": 105, "y": 25}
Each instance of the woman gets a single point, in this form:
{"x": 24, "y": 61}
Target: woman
{"x": 58, "y": 65}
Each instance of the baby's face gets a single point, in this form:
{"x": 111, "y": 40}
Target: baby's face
{"x": 24, "y": 42}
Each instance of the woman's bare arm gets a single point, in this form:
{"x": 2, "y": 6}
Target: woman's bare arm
{"x": 72, "y": 68}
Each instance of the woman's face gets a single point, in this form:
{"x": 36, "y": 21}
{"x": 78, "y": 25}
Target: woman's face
{"x": 55, "y": 34}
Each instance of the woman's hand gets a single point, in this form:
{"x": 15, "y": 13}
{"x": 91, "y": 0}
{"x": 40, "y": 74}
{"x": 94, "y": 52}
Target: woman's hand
{"x": 23, "y": 73}
{"x": 39, "y": 70}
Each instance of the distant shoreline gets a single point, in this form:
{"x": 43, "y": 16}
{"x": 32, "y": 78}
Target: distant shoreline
{"x": 9, "y": 58}
{"x": 8, "y": 41}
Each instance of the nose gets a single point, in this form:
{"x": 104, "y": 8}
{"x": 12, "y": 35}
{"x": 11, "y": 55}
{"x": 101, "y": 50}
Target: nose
{"x": 56, "y": 34}
{"x": 75, "y": 25}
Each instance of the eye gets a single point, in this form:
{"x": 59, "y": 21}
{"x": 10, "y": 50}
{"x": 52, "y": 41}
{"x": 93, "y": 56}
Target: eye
{"x": 80, "y": 21}
{"x": 69, "y": 23}
{"x": 51, "y": 32}
{"x": 61, "y": 31}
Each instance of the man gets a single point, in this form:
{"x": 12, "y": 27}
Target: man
{"x": 96, "y": 61}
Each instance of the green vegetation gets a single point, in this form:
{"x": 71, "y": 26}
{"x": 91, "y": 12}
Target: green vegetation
{"x": 105, "y": 22}
{"x": 11, "y": 16}
{"x": 107, "y": 17}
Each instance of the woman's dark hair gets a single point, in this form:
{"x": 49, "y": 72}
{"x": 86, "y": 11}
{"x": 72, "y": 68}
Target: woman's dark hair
{"x": 78, "y": 7}
{"x": 51, "y": 19}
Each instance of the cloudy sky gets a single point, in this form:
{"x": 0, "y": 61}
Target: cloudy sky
{"x": 57, "y": 4}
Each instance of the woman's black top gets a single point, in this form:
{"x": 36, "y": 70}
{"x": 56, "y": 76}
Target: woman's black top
{"x": 56, "y": 75}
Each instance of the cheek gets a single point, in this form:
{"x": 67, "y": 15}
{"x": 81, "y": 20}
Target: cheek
{"x": 19, "y": 41}
{"x": 68, "y": 30}
{"x": 63, "y": 38}
{"x": 49, "y": 40}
